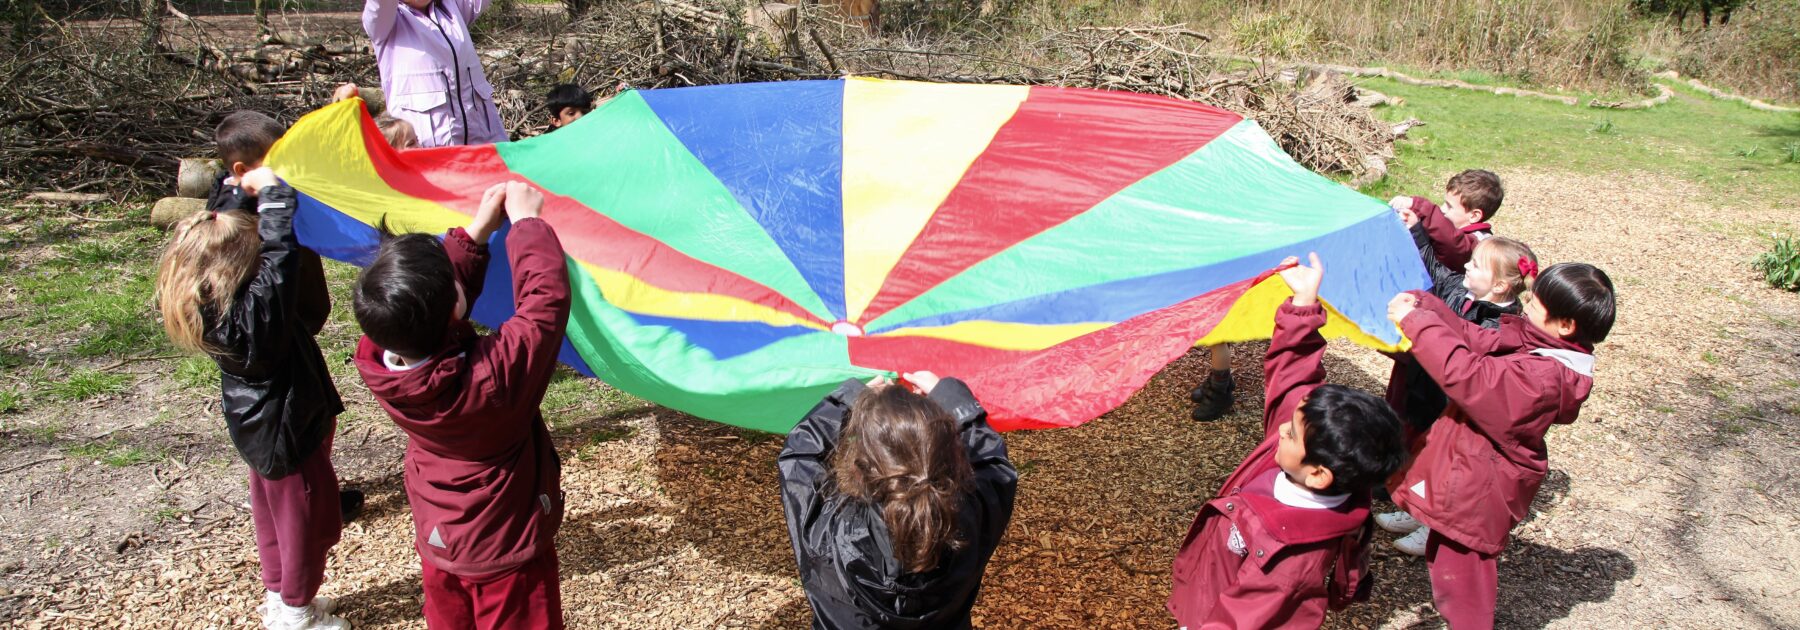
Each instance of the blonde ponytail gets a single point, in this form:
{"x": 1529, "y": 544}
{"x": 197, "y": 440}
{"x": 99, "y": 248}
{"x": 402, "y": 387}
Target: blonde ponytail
{"x": 210, "y": 257}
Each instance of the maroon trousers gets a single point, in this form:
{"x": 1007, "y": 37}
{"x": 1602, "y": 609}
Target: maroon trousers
{"x": 297, "y": 522}
{"x": 1464, "y": 583}
{"x": 528, "y": 597}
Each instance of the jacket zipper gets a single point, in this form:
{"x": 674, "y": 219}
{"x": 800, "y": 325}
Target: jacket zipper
{"x": 455, "y": 73}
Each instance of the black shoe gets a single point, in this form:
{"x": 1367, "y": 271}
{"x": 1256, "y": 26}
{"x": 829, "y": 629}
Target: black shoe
{"x": 1212, "y": 399}
{"x": 350, "y": 503}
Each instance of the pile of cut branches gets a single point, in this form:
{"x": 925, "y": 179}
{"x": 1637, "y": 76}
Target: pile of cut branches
{"x": 87, "y": 107}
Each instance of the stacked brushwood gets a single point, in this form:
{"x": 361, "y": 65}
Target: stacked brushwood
{"x": 87, "y": 108}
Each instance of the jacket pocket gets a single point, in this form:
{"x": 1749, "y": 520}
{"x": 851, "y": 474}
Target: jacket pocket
{"x": 421, "y": 91}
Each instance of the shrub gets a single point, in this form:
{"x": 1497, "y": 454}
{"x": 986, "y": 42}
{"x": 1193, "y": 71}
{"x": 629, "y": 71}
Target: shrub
{"x": 1780, "y": 266}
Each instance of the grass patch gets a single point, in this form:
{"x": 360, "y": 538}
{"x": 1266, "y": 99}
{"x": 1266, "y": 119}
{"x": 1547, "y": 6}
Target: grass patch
{"x": 195, "y": 372}
{"x": 1693, "y": 137}
{"x": 167, "y": 513}
{"x": 11, "y": 401}
{"x": 46, "y": 432}
{"x": 612, "y": 434}
{"x": 85, "y": 384}
{"x": 1709, "y": 357}
{"x": 113, "y": 453}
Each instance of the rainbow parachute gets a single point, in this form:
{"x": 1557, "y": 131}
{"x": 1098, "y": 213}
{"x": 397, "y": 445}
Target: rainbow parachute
{"x": 738, "y": 250}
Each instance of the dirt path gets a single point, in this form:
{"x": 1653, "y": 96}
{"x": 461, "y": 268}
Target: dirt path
{"x": 1671, "y": 503}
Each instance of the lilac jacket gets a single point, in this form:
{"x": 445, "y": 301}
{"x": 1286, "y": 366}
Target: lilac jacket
{"x": 430, "y": 72}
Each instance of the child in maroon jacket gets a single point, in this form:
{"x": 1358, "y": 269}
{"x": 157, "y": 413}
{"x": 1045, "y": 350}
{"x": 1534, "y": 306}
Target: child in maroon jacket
{"x": 482, "y": 476}
{"x": 1471, "y": 198}
{"x": 1481, "y": 463}
{"x": 1288, "y": 534}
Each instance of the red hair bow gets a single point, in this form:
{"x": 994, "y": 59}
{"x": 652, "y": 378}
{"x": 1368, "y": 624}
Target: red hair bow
{"x": 1528, "y": 268}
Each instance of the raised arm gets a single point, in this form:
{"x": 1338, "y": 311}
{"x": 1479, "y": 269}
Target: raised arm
{"x": 378, "y": 19}
{"x": 804, "y": 465}
{"x": 1295, "y": 364}
{"x": 468, "y": 261}
{"x": 1453, "y": 245}
{"x": 1496, "y": 386}
{"x": 1446, "y": 284}
{"x": 268, "y": 302}
{"x": 996, "y": 481}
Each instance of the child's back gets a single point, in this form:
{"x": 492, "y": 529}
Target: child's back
{"x": 853, "y": 564}
{"x": 482, "y": 474}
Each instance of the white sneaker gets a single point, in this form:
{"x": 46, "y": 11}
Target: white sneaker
{"x": 1398, "y": 522}
{"x": 308, "y": 617}
{"x": 1414, "y": 544}
{"x": 271, "y": 599}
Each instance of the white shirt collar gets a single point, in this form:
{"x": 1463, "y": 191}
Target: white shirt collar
{"x": 392, "y": 361}
{"x": 1294, "y": 495}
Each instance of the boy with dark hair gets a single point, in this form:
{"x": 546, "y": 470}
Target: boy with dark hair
{"x": 482, "y": 475}
{"x": 1485, "y": 457}
{"x": 1287, "y": 535}
{"x": 1471, "y": 198}
{"x": 566, "y": 104}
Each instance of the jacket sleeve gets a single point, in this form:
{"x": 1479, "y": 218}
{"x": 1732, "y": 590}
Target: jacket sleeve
{"x": 268, "y": 303}
{"x": 472, "y": 9}
{"x": 802, "y": 463}
{"x": 996, "y": 480}
{"x": 378, "y": 19}
{"x": 1445, "y": 282}
{"x": 1296, "y": 360}
{"x": 1453, "y": 245}
{"x": 1494, "y": 391}
{"x": 529, "y": 342}
{"x": 313, "y": 305}
{"x": 1287, "y": 593}
{"x": 469, "y": 261}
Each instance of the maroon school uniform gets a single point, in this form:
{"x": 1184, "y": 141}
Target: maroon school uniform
{"x": 1454, "y": 246}
{"x": 482, "y": 475}
{"x": 1480, "y": 465}
{"x": 1288, "y": 564}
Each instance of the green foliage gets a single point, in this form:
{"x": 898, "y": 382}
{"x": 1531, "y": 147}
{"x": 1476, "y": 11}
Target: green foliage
{"x": 195, "y": 372}
{"x": 1780, "y": 266}
{"x": 1605, "y": 126}
{"x": 1277, "y": 34}
{"x": 613, "y": 434}
{"x": 113, "y": 453}
{"x": 1747, "y": 152}
{"x": 85, "y": 384}
{"x": 1790, "y": 154}
{"x": 11, "y": 401}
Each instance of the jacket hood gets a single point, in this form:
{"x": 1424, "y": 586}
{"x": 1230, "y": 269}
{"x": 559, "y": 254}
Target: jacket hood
{"x": 1577, "y": 361}
{"x": 882, "y": 588}
{"x": 422, "y": 387}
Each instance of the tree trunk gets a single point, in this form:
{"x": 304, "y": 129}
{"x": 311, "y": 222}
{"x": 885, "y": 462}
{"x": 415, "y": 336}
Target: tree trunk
{"x": 262, "y": 18}
{"x": 151, "y": 12}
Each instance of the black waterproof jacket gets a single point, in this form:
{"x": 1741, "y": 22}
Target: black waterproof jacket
{"x": 842, "y": 546}
{"x": 1424, "y": 400}
{"x": 278, "y": 398}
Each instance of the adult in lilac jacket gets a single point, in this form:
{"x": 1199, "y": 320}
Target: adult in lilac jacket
{"x": 430, "y": 73}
